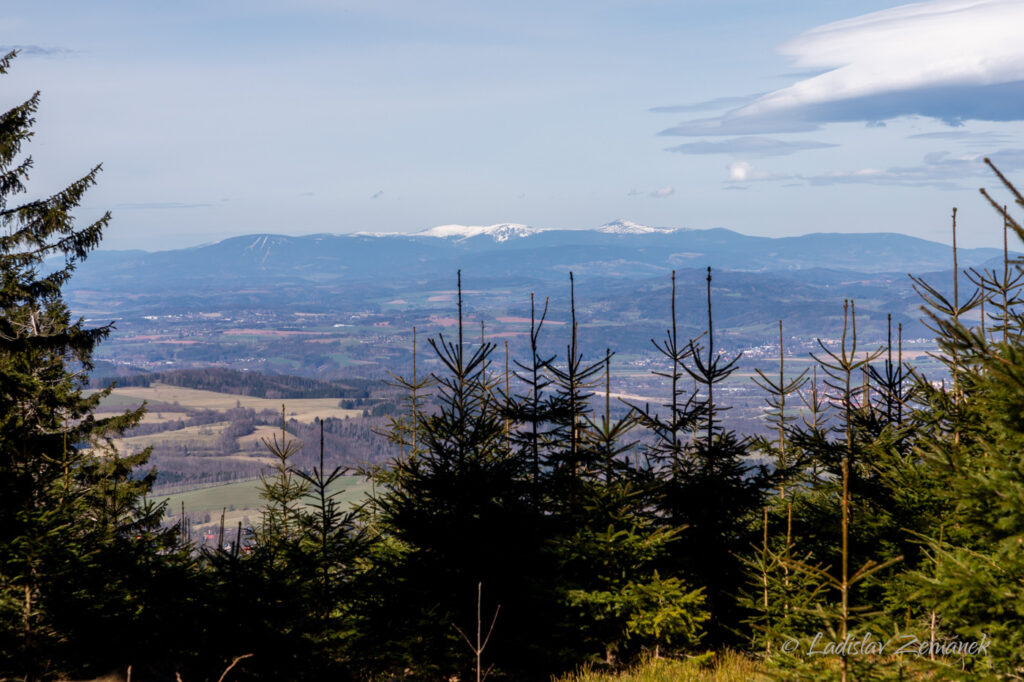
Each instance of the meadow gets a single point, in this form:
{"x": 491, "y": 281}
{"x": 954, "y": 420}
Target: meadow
{"x": 241, "y": 502}
{"x": 163, "y": 396}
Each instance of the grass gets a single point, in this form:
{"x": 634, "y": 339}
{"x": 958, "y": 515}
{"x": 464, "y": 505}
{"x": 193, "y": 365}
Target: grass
{"x": 165, "y": 396}
{"x": 160, "y": 416}
{"x": 206, "y": 433}
{"x": 254, "y": 441}
{"x": 119, "y": 402}
{"x": 245, "y": 496}
{"x": 724, "y": 666}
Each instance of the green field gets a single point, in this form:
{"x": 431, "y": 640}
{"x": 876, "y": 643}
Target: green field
{"x": 243, "y": 498}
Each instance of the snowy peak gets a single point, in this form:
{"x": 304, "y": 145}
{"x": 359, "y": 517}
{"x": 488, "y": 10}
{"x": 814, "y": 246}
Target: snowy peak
{"x": 629, "y": 227}
{"x": 501, "y": 232}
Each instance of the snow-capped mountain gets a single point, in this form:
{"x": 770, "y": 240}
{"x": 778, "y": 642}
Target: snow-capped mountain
{"x": 511, "y": 251}
{"x": 621, "y": 226}
{"x": 500, "y": 233}
{"x": 505, "y": 231}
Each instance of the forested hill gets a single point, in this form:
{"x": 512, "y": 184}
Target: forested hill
{"x": 494, "y": 252}
{"x": 245, "y": 383}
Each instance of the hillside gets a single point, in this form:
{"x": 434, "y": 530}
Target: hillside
{"x": 511, "y": 252}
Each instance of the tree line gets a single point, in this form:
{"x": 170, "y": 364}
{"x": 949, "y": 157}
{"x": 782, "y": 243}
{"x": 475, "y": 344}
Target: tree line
{"x": 522, "y": 531}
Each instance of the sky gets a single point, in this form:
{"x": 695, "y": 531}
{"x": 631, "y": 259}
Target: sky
{"x": 215, "y": 118}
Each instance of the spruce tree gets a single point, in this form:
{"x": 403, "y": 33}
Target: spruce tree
{"x": 974, "y": 578}
{"x": 283, "y": 492}
{"x": 71, "y": 518}
{"x": 456, "y": 517}
{"x": 776, "y": 597}
{"x": 706, "y": 488}
{"x": 530, "y": 409}
{"x": 831, "y": 514}
{"x": 572, "y": 462}
{"x": 292, "y": 584}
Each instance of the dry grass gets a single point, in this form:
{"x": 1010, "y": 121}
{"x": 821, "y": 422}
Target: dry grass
{"x": 301, "y": 409}
{"x": 725, "y": 666}
{"x": 155, "y": 417}
{"x": 205, "y": 433}
{"x": 254, "y": 441}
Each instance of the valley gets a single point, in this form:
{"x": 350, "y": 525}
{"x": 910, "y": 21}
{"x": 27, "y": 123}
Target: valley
{"x": 238, "y": 341}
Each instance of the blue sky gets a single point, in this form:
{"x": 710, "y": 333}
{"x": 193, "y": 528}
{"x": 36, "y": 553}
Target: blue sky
{"x": 226, "y": 117}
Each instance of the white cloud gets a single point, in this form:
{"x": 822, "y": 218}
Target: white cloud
{"x": 740, "y": 171}
{"x": 659, "y": 193}
{"x": 946, "y": 42}
{"x": 947, "y": 59}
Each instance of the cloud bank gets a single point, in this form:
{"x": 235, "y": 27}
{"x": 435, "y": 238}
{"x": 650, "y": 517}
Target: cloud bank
{"x": 707, "y": 105}
{"x": 751, "y": 146}
{"x": 952, "y": 60}
{"x": 36, "y": 50}
{"x": 941, "y": 170}
{"x": 158, "y": 205}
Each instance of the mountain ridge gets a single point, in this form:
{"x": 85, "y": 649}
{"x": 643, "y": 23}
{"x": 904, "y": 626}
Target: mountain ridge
{"x": 512, "y": 251}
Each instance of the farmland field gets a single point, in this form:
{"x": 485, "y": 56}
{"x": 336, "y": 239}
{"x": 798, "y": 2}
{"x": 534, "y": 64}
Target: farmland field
{"x": 167, "y": 397}
{"x": 203, "y": 437}
{"x": 189, "y": 434}
{"x": 245, "y": 495}
{"x": 242, "y": 500}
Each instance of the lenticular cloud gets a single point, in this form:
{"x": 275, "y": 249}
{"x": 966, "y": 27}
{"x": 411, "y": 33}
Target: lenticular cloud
{"x": 948, "y": 59}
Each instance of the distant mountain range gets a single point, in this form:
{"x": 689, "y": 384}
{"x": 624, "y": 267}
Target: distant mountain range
{"x": 327, "y": 305}
{"x": 511, "y": 251}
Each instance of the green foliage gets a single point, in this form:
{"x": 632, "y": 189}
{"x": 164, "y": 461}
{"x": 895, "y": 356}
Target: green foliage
{"x": 613, "y": 584}
{"x": 332, "y": 544}
{"x": 74, "y": 531}
{"x": 539, "y": 506}
{"x": 894, "y": 506}
{"x": 663, "y": 613}
{"x": 976, "y": 572}
{"x": 283, "y": 492}
{"x": 703, "y": 481}
{"x": 455, "y": 514}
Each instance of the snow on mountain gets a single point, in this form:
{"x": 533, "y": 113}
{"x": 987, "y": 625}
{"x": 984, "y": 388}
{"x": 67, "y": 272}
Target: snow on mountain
{"x": 501, "y": 232}
{"x": 629, "y": 227}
